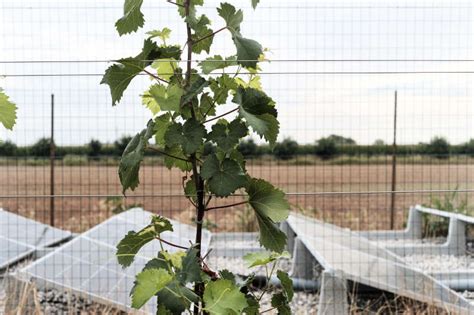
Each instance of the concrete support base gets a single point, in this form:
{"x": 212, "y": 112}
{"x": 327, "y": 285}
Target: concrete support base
{"x": 333, "y": 295}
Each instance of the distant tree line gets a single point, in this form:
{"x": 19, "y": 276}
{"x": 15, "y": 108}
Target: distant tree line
{"x": 326, "y": 148}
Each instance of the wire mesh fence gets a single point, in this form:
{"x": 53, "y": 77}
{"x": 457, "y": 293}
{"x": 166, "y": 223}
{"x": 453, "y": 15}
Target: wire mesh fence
{"x": 334, "y": 68}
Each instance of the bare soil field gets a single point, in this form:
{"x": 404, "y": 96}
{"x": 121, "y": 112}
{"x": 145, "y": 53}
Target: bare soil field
{"x": 354, "y": 196}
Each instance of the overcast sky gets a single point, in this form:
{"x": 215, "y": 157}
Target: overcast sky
{"x": 310, "y": 104}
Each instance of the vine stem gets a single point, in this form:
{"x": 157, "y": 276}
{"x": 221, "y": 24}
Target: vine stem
{"x": 268, "y": 310}
{"x": 210, "y": 35}
{"x": 167, "y": 154}
{"x": 220, "y": 116}
{"x": 200, "y": 210}
{"x": 227, "y": 206}
{"x": 175, "y": 3}
{"x": 171, "y": 244}
{"x": 155, "y": 76}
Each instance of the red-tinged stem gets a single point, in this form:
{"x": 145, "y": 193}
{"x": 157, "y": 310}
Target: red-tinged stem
{"x": 170, "y": 155}
{"x": 210, "y": 35}
{"x": 171, "y": 244}
{"x": 227, "y": 206}
{"x": 220, "y": 116}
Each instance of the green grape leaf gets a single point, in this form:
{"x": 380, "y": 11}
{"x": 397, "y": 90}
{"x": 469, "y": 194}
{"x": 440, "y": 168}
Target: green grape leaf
{"x": 286, "y": 284}
{"x": 254, "y": 82}
{"x": 217, "y": 62}
{"x": 268, "y": 200}
{"x": 232, "y": 18}
{"x": 163, "y": 34}
{"x": 157, "y": 263}
{"x": 198, "y": 85}
{"x": 270, "y": 206}
{"x": 148, "y": 283}
{"x": 119, "y": 75}
{"x": 227, "y": 275}
{"x": 206, "y": 107}
{"x": 248, "y": 51}
{"x": 170, "y": 161}
{"x": 190, "y": 271}
{"x": 191, "y": 18}
{"x": 129, "y": 246}
{"x": 263, "y": 258}
{"x": 175, "y": 258}
{"x": 271, "y": 237}
{"x": 223, "y": 178}
{"x": 162, "y": 310}
{"x": 210, "y": 167}
{"x": 190, "y": 189}
{"x": 255, "y": 3}
{"x": 161, "y": 125}
{"x": 254, "y": 101}
{"x": 259, "y": 112}
{"x": 223, "y": 297}
{"x": 174, "y": 134}
{"x": 221, "y": 86}
{"x": 228, "y": 179}
{"x": 132, "y": 157}
{"x": 168, "y": 98}
{"x": 227, "y": 136}
{"x": 176, "y": 298}
{"x": 202, "y": 37}
{"x": 193, "y": 134}
{"x": 149, "y": 102}
{"x": 189, "y": 136}
{"x": 165, "y": 68}
{"x": 253, "y": 307}
{"x": 7, "y": 111}
{"x": 132, "y": 17}
{"x": 280, "y": 302}
{"x": 265, "y": 125}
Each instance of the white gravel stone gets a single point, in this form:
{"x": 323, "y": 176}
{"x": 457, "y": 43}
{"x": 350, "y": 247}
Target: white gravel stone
{"x": 236, "y": 244}
{"x": 408, "y": 242}
{"x": 303, "y": 303}
{"x": 433, "y": 263}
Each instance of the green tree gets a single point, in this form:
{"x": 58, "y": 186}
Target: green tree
{"x": 8, "y": 148}
{"x": 438, "y": 147}
{"x": 468, "y": 148}
{"x": 248, "y": 148}
{"x": 286, "y": 149}
{"x": 185, "y": 105}
{"x": 41, "y": 148}
{"x": 379, "y": 143}
{"x": 94, "y": 148}
{"x": 340, "y": 140}
{"x": 326, "y": 148}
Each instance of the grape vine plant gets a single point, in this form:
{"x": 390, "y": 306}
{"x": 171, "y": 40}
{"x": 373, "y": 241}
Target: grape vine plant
{"x": 184, "y": 104}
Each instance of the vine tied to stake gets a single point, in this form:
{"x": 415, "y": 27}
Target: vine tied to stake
{"x": 184, "y": 104}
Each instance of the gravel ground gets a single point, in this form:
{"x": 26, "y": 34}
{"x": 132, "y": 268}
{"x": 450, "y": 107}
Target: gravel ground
{"x": 236, "y": 244}
{"x": 302, "y": 304}
{"x": 431, "y": 263}
{"x": 55, "y": 302}
{"x": 395, "y": 242}
{"x": 469, "y": 295}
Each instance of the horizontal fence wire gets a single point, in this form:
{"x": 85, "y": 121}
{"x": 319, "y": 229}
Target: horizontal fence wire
{"x": 245, "y": 195}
